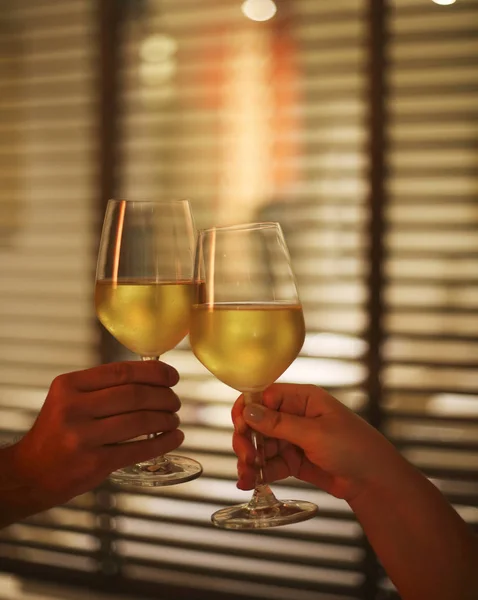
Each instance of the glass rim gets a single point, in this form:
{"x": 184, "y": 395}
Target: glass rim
{"x": 243, "y": 227}
{"x": 131, "y": 201}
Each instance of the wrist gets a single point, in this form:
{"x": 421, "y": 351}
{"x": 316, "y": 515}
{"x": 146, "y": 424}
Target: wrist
{"x": 19, "y": 497}
{"x": 389, "y": 478}
{"x": 380, "y": 465}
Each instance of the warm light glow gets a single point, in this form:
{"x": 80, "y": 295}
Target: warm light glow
{"x": 259, "y": 10}
{"x": 333, "y": 345}
{"x": 444, "y": 2}
{"x": 158, "y": 65}
{"x": 157, "y": 48}
{"x": 323, "y": 372}
{"x": 157, "y": 72}
{"x": 462, "y": 405}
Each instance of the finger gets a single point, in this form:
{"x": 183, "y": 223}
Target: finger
{"x": 298, "y": 399}
{"x": 124, "y": 455}
{"x": 126, "y": 427}
{"x": 280, "y": 425}
{"x": 128, "y": 398}
{"x": 277, "y": 469}
{"x": 149, "y": 372}
{"x": 237, "y": 418}
{"x": 244, "y": 449}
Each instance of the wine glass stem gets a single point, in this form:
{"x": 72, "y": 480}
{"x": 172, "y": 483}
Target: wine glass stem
{"x": 159, "y": 461}
{"x": 257, "y": 440}
{"x": 263, "y": 499}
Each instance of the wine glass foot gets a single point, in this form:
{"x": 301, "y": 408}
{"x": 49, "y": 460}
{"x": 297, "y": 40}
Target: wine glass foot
{"x": 176, "y": 469}
{"x": 284, "y": 512}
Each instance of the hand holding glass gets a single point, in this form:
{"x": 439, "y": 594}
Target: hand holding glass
{"x": 143, "y": 297}
{"x": 247, "y": 327}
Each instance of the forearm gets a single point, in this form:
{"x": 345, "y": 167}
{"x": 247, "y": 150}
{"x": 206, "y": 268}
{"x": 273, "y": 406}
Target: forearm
{"x": 18, "y": 500}
{"x": 425, "y": 547}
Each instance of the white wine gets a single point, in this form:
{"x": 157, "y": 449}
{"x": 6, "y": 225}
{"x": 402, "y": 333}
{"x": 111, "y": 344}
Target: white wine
{"x": 247, "y": 346}
{"x": 147, "y": 317}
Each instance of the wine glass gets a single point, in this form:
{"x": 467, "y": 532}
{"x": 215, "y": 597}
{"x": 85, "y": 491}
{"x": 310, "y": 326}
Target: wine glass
{"x": 144, "y": 290}
{"x": 247, "y": 327}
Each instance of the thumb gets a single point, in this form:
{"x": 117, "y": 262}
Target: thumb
{"x": 276, "y": 424}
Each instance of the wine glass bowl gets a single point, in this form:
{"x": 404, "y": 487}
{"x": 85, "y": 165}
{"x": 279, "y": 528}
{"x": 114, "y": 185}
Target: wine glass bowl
{"x": 247, "y": 327}
{"x": 143, "y": 296}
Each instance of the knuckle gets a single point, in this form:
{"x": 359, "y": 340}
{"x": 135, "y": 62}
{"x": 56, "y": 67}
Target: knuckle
{"x": 162, "y": 373}
{"x": 60, "y": 406}
{"x": 122, "y": 372}
{"x": 72, "y": 441}
{"x": 275, "y": 420}
{"x": 60, "y": 384}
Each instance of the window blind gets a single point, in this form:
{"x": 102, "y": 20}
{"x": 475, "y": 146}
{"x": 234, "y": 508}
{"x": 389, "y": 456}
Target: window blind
{"x": 431, "y": 294}
{"x": 251, "y": 121}
{"x": 47, "y": 212}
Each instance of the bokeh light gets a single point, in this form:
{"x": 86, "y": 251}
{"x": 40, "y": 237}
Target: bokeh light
{"x": 259, "y": 10}
{"x": 157, "y": 48}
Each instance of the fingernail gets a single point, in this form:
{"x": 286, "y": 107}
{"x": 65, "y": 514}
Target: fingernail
{"x": 254, "y": 412}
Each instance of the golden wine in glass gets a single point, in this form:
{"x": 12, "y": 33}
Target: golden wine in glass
{"x": 247, "y": 327}
{"x": 143, "y": 296}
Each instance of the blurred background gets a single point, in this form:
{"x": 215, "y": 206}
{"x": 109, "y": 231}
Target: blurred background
{"x": 355, "y": 124}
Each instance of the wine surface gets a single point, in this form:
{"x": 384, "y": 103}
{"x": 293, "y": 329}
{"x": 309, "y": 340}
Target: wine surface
{"x": 247, "y": 346}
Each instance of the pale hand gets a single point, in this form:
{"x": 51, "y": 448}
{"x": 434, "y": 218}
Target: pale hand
{"x": 312, "y": 436}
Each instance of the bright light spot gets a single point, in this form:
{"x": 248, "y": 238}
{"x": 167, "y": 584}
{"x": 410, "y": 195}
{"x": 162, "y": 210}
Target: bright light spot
{"x": 444, "y": 2}
{"x": 172, "y": 508}
{"x": 333, "y": 345}
{"x": 259, "y": 10}
{"x": 210, "y": 390}
{"x": 468, "y": 513}
{"x": 216, "y": 416}
{"x": 454, "y": 404}
{"x": 156, "y": 48}
{"x": 11, "y": 586}
{"x": 323, "y": 372}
